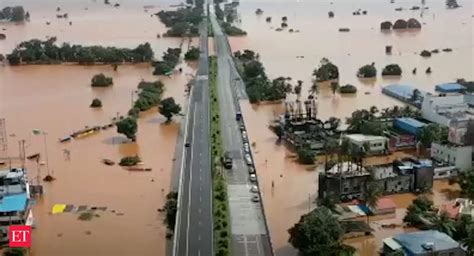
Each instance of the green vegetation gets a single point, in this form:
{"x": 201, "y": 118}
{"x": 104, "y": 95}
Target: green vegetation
{"x": 47, "y": 52}
{"x": 14, "y": 251}
{"x": 348, "y": 88}
{"x": 232, "y": 30}
{"x": 222, "y": 233}
{"x": 86, "y": 216}
{"x": 129, "y": 161}
{"x": 96, "y": 103}
{"x": 169, "y": 62}
{"x": 306, "y": 155}
{"x": 181, "y": 22}
{"x": 372, "y": 194}
{"x": 128, "y": 127}
{"x": 425, "y": 53}
{"x": 468, "y": 84}
{"x": 258, "y": 86}
{"x": 149, "y": 96}
{"x": 367, "y": 71}
{"x": 421, "y": 207}
{"x": 433, "y": 133}
{"x": 326, "y": 71}
{"x": 168, "y": 108}
{"x": 452, "y": 4}
{"x": 192, "y": 54}
{"x": 14, "y": 14}
{"x": 466, "y": 182}
{"x": 392, "y": 70}
{"x": 171, "y": 208}
{"x": 319, "y": 233}
{"x": 100, "y": 80}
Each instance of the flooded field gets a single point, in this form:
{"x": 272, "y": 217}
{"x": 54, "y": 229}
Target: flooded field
{"x": 296, "y": 186}
{"x": 55, "y": 99}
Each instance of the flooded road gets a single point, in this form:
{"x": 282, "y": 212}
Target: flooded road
{"x": 56, "y": 98}
{"x": 296, "y": 186}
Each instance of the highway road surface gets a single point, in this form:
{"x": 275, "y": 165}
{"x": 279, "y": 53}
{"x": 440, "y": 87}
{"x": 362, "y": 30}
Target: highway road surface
{"x": 249, "y": 233}
{"x": 194, "y": 221}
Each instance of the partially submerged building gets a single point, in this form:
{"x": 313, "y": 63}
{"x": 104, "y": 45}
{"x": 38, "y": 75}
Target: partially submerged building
{"x": 423, "y": 243}
{"x": 347, "y": 181}
{"x": 15, "y": 203}
{"x": 456, "y": 157}
{"x": 371, "y": 144}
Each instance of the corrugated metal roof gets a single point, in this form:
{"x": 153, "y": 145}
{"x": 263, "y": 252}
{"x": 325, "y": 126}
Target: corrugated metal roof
{"x": 413, "y": 242}
{"x": 13, "y": 203}
{"x": 390, "y": 242}
{"x": 411, "y": 121}
{"x": 449, "y": 87}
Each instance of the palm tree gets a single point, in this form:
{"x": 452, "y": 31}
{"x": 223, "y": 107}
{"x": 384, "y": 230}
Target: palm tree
{"x": 469, "y": 240}
{"x": 373, "y": 110}
{"x": 371, "y": 197}
{"x": 314, "y": 88}
{"x": 443, "y": 223}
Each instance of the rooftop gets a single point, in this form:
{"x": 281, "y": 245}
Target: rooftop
{"x": 348, "y": 169}
{"x": 416, "y": 242}
{"x": 13, "y": 203}
{"x": 411, "y": 121}
{"x": 449, "y": 87}
{"x": 364, "y": 138}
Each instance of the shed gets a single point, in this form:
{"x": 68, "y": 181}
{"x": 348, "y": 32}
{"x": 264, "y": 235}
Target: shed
{"x": 408, "y": 125}
{"x": 418, "y": 243}
{"x": 450, "y": 88}
{"x": 385, "y": 205}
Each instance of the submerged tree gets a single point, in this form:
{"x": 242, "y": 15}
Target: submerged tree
{"x": 319, "y": 233}
{"x": 326, "y": 71}
{"x": 128, "y": 127}
{"x": 169, "y": 108}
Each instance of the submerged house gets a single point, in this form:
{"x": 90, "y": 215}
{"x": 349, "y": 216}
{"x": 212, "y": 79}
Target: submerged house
{"x": 347, "y": 181}
{"x": 423, "y": 243}
{"x": 15, "y": 203}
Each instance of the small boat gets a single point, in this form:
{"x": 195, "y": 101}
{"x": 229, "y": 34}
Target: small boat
{"x": 33, "y": 157}
{"x": 344, "y": 30}
{"x": 65, "y": 139}
{"x": 108, "y": 161}
{"x": 2, "y": 162}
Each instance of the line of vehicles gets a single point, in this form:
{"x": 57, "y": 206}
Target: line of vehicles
{"x": 227, "y": 159}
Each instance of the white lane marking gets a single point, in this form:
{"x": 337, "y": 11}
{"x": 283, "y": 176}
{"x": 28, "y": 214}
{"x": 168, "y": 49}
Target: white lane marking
{"x": 190, "y": 184}
{"x": 183, "y": 160}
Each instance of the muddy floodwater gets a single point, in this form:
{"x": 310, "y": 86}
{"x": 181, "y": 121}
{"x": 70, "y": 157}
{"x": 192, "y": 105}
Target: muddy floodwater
{"x": 295, "y": 185}
{"x": 55, "y": 99}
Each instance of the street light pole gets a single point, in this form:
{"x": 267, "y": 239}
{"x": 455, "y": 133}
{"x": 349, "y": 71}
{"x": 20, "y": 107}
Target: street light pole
{"x": 46, "y": 151}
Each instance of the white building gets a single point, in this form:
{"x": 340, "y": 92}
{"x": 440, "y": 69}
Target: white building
{"x": 377, "y": 144}
{"x": 441, "y": 109}
{"x": 458, "y": 156}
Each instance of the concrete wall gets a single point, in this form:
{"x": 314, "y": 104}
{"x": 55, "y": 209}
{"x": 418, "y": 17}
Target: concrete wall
{"x": 459, "y": 156}
{"x": 432, "y": 104}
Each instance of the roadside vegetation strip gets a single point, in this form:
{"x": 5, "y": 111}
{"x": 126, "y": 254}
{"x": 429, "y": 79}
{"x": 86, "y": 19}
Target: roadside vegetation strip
{"x": 222, "y": 234}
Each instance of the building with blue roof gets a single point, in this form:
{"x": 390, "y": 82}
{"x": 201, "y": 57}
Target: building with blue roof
{"x": 408, "y": 125}
{"x": 450, "y": 88}
{"x": 423, "y": 243}
{"x": 404, "y": 93}
{"x": 13, "y": 203}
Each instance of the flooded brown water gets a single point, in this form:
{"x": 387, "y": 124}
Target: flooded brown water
{"x": 56, "y": 99}
{"x": 295, "y": 185}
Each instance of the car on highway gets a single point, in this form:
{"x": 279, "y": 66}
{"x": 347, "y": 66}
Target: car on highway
{"x": 255, "y": 199}
{"x": 187, "y": 144}
{"x": 248, "y": 159}
{"x": 251, "y": 170}
{"x": 253, "y": 177}
{"x": 246, "y": 147}
{"x": 242, "y": 127}
{"x": 244, "y": 135}
{"x": 227, "y": 160}
{"x": 254, "y": 189}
